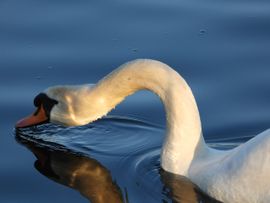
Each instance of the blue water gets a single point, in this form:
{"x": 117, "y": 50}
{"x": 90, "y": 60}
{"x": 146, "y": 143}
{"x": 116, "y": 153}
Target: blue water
{"x": 222, "y": 49}
{"x": 113, "y": 158}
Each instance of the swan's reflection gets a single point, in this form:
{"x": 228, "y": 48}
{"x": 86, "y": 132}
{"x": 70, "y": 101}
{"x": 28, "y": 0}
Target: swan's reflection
{"x": 182, "y": 190}
{"x": 94, "y": 181}
{"x": 79, "y": 172}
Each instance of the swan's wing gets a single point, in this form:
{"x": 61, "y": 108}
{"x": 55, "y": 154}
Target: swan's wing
{"x": 244, "y": 174}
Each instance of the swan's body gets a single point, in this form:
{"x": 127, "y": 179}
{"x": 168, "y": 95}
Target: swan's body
{"x": 241, "y": 175}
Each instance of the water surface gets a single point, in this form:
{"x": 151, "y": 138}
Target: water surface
{"x": 114, "y": 159}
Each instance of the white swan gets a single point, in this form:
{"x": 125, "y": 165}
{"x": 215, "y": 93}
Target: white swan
{"x": 240, "y": 175}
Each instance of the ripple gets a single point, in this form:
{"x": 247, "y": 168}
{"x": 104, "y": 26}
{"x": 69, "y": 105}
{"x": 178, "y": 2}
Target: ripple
{"x": 128, "y": 148}
{"x": 109, "y": 136}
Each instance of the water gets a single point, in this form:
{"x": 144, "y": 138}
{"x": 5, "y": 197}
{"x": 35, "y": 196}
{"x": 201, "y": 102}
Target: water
{"x": 222, "y": 48}
{"x": 122, "y": 171}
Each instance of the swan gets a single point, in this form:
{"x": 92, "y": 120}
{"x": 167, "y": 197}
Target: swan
{"x": 238, "y": 175}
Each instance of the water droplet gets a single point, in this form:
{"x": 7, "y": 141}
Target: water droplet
{"x": 202, "y": 31}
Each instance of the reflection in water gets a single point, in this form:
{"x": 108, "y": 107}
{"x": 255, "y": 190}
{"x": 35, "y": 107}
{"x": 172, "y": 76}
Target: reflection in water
{"x": 183, "y": 190}
{"x": 82, "y": 173}
{"x": 94, "y": 181}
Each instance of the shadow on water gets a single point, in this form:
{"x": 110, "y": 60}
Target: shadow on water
{"x": 94, "y": 181}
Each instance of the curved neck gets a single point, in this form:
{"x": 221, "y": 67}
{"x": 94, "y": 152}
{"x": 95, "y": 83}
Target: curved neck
{"x": 183, "y": 139}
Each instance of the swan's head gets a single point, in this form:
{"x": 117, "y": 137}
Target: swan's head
{"x": 66, "y": 105}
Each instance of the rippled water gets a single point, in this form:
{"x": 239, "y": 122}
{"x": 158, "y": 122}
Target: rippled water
{"x": 222, "y": 48}
{"x": 115, "y": 159}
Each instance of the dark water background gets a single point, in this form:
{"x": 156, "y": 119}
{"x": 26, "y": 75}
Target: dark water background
{"x": 222, "y": 49}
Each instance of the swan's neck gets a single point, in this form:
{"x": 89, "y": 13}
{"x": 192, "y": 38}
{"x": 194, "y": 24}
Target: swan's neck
{"x": 183, "y": 141}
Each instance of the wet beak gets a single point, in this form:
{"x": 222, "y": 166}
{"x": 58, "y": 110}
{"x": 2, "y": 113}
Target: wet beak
{"x": 37, "y": 118}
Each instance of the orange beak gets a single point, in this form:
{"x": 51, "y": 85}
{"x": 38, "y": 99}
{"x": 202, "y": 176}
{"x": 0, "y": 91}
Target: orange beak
{"x": 34, "y": 119}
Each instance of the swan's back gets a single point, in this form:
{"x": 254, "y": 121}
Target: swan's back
{"x": 243, "y": 174}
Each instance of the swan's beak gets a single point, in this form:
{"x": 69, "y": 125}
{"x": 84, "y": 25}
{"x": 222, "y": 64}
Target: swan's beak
{"x": 38, "y": 117}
